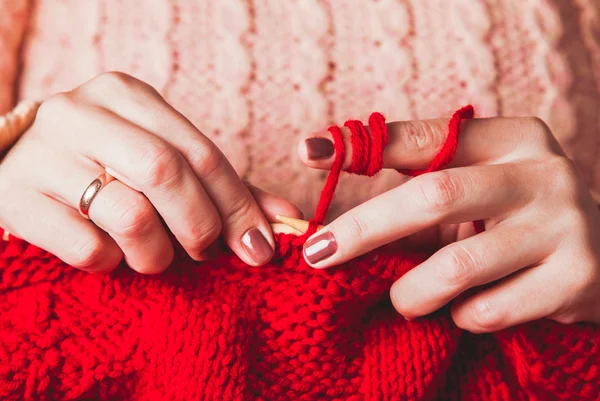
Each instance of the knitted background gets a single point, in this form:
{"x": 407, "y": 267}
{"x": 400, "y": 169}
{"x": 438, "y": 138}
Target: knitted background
{"x": 255, "y": 75}
{"x": 223, "y": 330}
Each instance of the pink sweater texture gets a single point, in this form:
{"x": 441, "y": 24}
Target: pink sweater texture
{"x": 256, "y": 75}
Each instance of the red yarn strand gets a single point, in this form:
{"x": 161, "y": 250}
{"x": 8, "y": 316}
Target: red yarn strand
{"x": 361, "y": 152}
{"x": 367, "y": 157}
{"x": 446, "y": 154}
{"x": 222, "y": 330}
{"x": 333, "y": 177}
{"x": 379, "y": 137}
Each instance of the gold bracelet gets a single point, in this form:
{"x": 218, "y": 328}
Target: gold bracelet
{"x": 14, "y": 124}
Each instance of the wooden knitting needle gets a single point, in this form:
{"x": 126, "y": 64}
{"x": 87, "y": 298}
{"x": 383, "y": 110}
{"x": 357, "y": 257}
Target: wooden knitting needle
{"x": 281, "y": 228}
{"x": 15, "y": 123}
{"x": 300, "y": 226}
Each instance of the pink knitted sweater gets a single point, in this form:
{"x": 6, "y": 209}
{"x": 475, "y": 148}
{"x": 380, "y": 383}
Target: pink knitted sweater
{"x": 255, "y": 75}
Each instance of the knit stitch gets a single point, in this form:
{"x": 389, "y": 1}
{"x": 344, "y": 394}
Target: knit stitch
{"x": 223, "y": 330}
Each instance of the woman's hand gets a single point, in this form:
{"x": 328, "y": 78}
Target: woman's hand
{"x": 169, "y": 175}
{"x": 539, "y": 256}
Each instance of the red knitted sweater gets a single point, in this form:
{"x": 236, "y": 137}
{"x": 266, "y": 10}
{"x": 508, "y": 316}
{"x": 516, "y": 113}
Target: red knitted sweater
{"x": 222, "y": 330}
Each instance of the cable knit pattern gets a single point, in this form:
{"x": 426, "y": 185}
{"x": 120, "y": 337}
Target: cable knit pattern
{"x": 78, "y": 58}
{"x": 382, "y": 59}
{"x": 475, "y": 65}
{"x": 468, "y": 65}
{"x": 13, "y": 23}
{"x": 256, "y": 75}
{"x": 551, "y": 75}
{"x": 210, "y": 70}
{"x": 138, "y": 46}
{"x": 285, "y": 94}
{"x": 592, "y": 38}
{"x": 584, "y": 144}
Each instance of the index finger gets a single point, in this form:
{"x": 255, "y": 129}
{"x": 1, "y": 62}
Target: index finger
{"x": 413, "y": 144}
{"x": 244, "y": 226}
{"x": 450, "y": 196}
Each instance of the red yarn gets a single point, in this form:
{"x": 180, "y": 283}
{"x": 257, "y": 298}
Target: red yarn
{"x": 330, "y": 184}
{"x": 367, "y": 158}
{"x": 446, "y": 154}
{"x": 223, "y": 330}
{"x": 367, "y": 151}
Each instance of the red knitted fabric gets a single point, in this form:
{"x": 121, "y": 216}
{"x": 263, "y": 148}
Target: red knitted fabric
{"x": 222, "y": 330}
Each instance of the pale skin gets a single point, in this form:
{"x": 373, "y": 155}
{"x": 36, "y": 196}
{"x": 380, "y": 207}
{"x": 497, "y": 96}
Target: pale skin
{"x": 169, "y": 177}
{"x": 540, "y": 253}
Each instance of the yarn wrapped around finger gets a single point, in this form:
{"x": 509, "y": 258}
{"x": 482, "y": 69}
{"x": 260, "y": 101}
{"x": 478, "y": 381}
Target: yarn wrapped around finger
{"x": 223, "y": 330}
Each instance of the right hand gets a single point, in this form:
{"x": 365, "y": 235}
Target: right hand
{"x": 164, "y": 167}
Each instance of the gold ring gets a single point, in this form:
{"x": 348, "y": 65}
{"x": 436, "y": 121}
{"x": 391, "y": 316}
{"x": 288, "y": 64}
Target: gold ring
{"x": 91, "y": 191}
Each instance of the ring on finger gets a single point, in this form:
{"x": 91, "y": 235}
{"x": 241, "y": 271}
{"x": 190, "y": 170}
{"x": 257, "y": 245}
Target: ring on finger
{"x": 91, "y": 191}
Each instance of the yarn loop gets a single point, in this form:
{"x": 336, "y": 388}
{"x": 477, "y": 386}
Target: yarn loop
{"x": 367, "y": 158}
{"x": 222, "y": 330}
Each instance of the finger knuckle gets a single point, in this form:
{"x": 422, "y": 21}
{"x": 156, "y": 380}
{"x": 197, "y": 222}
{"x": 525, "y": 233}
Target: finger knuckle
{"x": 117, "y": 80}
{"x": 562, "y": 173}
{"x": 203, "y": 234}
{"x": 135, "y": 216}
{"x": 440, "y": 191}
{"x": 142, "y": 86}
{"x": 586, "y": 278}
{"x": 420, "y": 136}
{"x": 535, "y": 130}
{"x": 459, "y": 268}
{"x": 122, "y": 84}
{"x": 238, "y": 208}
{"x": 116, "y": 83}
{"x": 484, "y": 317}
{"x": 536, "y": 126}
{"x": 359, "y": 227}
{"x": 207, "y": 159}
{"x": 53, "y": 109}
{"x": 87, "y": 252}
{"x": 163, "y": 166}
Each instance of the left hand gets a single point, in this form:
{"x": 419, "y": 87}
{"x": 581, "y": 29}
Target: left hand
{"x": 539, "y": 256}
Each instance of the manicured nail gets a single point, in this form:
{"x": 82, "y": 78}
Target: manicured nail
{"x": 257, "y": 246}
{"x": 320, "y": 247}
{"x": 319, "y": 148}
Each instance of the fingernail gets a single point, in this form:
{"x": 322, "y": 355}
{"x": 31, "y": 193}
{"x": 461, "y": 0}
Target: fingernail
{"x": 320, "y": 247}
{"x": 257, "y": 246}
{"x": 319, "y": 148}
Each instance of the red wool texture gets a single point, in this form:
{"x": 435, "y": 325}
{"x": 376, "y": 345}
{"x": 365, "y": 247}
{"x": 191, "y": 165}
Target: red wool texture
{"x": 223, "y": 330}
